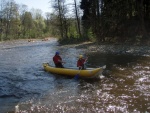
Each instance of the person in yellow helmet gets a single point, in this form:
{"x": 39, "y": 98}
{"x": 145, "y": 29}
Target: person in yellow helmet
{"x": 81, "y": 61}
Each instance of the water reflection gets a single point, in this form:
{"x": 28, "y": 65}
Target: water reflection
{"x": 26, "y": 87}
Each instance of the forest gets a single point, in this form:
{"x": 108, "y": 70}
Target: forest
{"x": 111, "y": 21}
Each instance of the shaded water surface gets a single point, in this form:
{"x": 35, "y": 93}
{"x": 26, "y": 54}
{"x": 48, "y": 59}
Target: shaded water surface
{"x": 25, "y": 87}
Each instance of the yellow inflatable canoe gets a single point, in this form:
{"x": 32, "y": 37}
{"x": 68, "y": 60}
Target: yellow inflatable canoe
{"x": 88, "y": 73}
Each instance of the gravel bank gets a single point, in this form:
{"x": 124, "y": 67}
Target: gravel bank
{"x": 116, "y": 49}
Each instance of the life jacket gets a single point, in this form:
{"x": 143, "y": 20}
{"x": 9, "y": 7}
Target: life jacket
{"x": 56, "y": 59}
{"x": 80, "y": 62}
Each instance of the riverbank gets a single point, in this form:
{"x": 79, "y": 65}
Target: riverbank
{"x": 139, "y": 50}
{"x": 22, "y": 42}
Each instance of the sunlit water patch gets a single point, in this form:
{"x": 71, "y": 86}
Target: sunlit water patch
{"x": 25, "y": 87}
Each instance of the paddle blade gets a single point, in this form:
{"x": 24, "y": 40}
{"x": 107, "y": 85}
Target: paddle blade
{"x": 76, "y": 77}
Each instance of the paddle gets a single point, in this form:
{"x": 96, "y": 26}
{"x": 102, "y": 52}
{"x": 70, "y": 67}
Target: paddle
{"x": 78, "y": 74}
{"x": 85, "y": 62}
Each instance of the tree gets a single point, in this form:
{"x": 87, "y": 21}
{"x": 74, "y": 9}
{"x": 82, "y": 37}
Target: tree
{"x": 2, "y": 29}
{"x": 119, "y": 20}
{"x": 60, "y": 9}
{"x": 77, "y": 18}
{"x": 85, "y": 5}
{"x": 10, "y": 17}
{"x": 27, "y": 24}
{"x": 39, "y": 23}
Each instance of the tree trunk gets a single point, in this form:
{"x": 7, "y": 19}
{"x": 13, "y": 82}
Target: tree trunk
{"x": 141, "y": 16}
{"x": 77, "y": 18}
{"x": 60, "y": 18}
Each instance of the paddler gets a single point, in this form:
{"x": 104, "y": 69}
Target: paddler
{"x": 58, "y": 60}
{"x": 81, "y": 62}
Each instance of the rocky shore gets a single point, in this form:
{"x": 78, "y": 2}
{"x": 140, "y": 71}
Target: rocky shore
{"x": 116, "y": 49}
{"x": 140, "y": 50}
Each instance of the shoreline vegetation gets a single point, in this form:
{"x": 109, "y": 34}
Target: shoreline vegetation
{"x": 117, "y": 22}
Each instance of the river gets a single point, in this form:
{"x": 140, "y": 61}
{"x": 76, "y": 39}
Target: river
{"x": 26, "y": 88}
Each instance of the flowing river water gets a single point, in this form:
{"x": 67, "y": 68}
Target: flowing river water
{"x": 26, "y": 88}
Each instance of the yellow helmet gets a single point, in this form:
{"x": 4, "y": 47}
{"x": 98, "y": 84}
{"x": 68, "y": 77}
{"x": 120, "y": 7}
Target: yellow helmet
{"x": 80, "y": 56}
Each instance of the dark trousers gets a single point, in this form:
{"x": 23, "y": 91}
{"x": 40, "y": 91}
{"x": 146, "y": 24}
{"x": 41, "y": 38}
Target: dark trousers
{"x": 81, "y": 68}
{"x": 59, "y": 65}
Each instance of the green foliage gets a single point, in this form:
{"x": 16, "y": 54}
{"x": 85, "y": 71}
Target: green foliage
{"x": 124, "y": 19}
{"x": 103, "y": 20}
